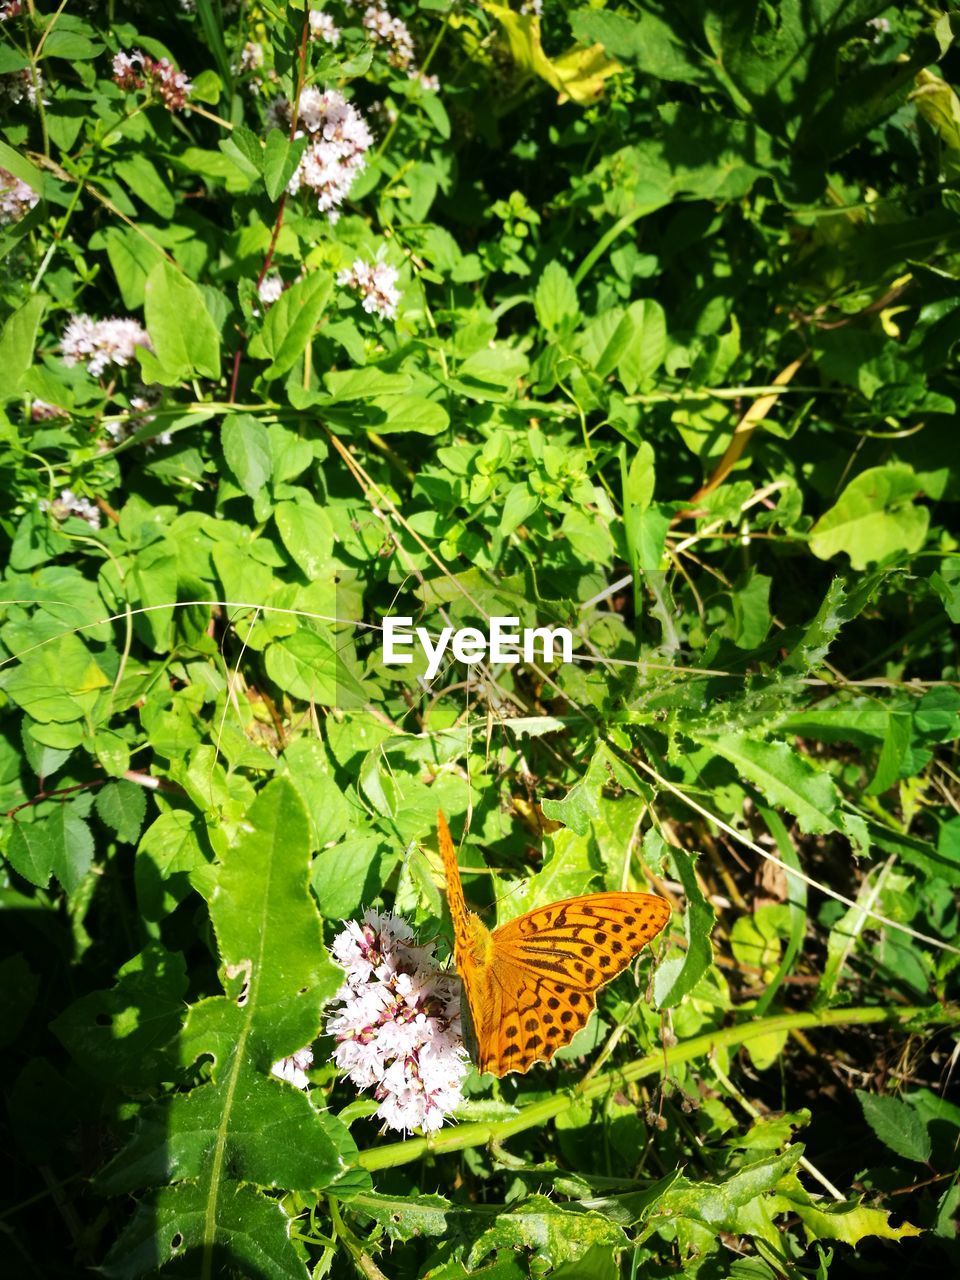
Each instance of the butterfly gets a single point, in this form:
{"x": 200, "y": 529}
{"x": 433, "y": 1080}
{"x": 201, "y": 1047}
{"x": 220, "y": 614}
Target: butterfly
{"x": 529, "y": 986}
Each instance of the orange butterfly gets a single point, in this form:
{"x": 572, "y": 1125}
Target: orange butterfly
{"x": 530, "y": 985}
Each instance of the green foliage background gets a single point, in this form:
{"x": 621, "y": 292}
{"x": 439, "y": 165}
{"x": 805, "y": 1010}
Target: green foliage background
{"x": 673, "y": 366}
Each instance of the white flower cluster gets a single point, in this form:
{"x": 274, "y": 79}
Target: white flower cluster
{"x": 69, "y": 504}
{"x": 251, "y": 56}
{"x": 98, "y": 343}
{"x": 384, "y": 28}
{"x": 339, "y": 138}
{"x": 323, "y": 27}
{"x": 43, "y": 411}
{"x": 398, "y": 1026}
{"x": 16, "y": 198}
{"x": 19, "y": 85}
{"x": 294, "y": 1069}
{"x": 9, "y": 9}
{"x": 135, "y": 70}
{"x": 270, "y": 287}
{"x": 377, "y": 284}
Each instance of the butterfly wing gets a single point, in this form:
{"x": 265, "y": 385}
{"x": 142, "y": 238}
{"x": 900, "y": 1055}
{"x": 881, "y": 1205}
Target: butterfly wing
{"x": 546, "y": 968}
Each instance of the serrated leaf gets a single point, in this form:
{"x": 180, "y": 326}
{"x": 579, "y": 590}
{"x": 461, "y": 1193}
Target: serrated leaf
{"x": 897, "y": 1126}
{"x": 784, "y": 777}
{"x": 122, "y": 806}
{"x": 244, "y": 1122}
{"x": 173, "y": 1224}
{"x": 552, "y": 1231}
{"x": 671, "y": 984}
{"x": 72, "y": 844}
{"x": 30, "y": 852}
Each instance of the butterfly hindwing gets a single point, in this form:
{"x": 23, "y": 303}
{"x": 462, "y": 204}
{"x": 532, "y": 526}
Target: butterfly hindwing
{"x": 534, "y": 1017}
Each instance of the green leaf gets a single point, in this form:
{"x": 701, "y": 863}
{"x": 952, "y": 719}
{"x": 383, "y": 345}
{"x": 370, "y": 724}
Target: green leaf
{"x": 327, "y": 808}
{"x": 72, "y": 845}
{"x": 280, "y": 157}
{"x": 555, "y": 299}
{"x": 184, "y": 337}
{"x": 127, "y": 1035}
{"x": 122, "y": 806}
{"x": 247, "y": 452}
{"x": 58, "y": 682}
{"x": 518, "y": 506}
{"x": 875, "y": 517}
{"x": 309, "y": 666}
{"x": 675, "y": 977}
{"x": 897, "y": 1126}
{"x": 174, "y": 1223}
{"x": 552, "y": 1231}
{"x": 17, "y": 343}
{"x": 211, "y": 18}
{"x": 169, "y": 862}
{"x": 646, "y": 39}
{"x": 840, "y": 605}
{"x": 141, "y": 176}
{"x": 568, "y": 870}
{"x": 348, "y": 877}
{"x": 307, "y": 535}
{"x": 410, "y": 413}
{"x": 132, "y": 259}
{"x": 290, "y": 323}
{"x": 751, "y": 611}
{"x": 30, "y": 851}
{"x": 638, "y": 480}
{"x": 244, "y": 1124}
{"x": 784, "y": 777}
{"x": 645, "y": 344}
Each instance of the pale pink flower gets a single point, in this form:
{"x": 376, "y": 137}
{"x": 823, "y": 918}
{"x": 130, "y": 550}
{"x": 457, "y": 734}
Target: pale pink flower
{"x": 10, "y": 9}
{"x": 16, "y": 198}
{"x": 270, "y": 287}
{"x": 135, "y": 69}
{"x": 398, "y": 1023}
{"x": 42, "y": 411}
{"x": 380, "y": 24}
{"x": 99, "y": 343}
{"x": 294, "y": 1069}
{"x": 251, "y": 58}
{"x": 339, "y": 137}
{"x": 377, "y": 285}
{"x": 69, "y": 504}
{"x": 322, "y": 27}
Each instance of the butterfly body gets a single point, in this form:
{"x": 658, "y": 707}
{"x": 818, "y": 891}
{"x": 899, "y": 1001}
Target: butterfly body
{"x": 530, "y": 985}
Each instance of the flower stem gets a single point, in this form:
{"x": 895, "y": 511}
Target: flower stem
{"x": 480, "y": 1133}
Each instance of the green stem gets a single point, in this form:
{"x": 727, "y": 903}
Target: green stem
{"x": 607, "y": 239}
{"x": 537, "y": 1113}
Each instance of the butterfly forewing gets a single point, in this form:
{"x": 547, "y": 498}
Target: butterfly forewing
{"x": 583, "y": 942}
